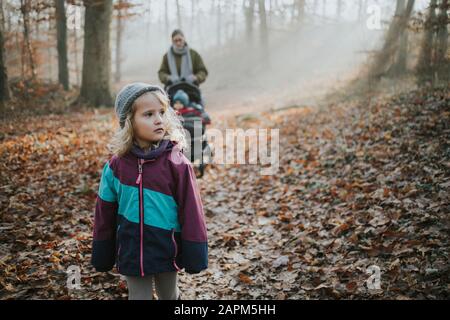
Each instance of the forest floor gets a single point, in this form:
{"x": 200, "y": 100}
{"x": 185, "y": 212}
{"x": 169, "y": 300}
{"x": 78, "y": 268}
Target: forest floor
{"x": 362, "y": 186}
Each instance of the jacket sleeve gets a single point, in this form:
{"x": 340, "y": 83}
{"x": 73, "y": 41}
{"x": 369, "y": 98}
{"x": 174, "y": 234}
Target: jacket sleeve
{"x": 200, "y": 70}
{"x": 194, "y": 242}
{"x": 164, "y": 71}
{"x": 105, "y": 222}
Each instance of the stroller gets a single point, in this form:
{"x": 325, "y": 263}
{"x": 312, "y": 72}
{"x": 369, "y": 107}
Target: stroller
{"x": 200, "y": 151}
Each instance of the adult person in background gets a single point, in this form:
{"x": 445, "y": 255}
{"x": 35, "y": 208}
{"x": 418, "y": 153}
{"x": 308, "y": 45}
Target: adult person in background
{"x": 181, "y": 63}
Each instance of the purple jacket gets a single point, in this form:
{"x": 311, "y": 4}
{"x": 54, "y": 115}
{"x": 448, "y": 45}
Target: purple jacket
{"x": 149, "y": 215}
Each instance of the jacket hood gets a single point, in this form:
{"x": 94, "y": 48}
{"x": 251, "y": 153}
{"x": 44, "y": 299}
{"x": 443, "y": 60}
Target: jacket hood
{"x": 153, "y": 153}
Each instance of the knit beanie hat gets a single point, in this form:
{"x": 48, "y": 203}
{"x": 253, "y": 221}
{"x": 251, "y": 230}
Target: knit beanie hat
{"x": 181, "y": 96}
{"x": 128, "y": 94}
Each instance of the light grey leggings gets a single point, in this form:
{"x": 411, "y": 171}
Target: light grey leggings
{"x": 141, "y": 288}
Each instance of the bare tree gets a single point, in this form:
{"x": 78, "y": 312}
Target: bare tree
{"x": 122, "y": 7}
{"x": 193, "y": 6}
{"x": 300, "y": 4}
{"x": 399, "y": 66}
{"x": 166, "y": 16}
{"x": 119, "y": 32}
{"x": 50, "y": 38}
{"x": 263, "y": 30}
{"x": 249, "y": 9}
{"x": 383, "y": 60}
{"x": 424, "y": 69}
{"x": 233, "y": 21}
{"x": 442, "y": 62}
{"x": 178, "y": 14}
{"x": 2, "y": 17}
{"x": 7, "y": 17}
{"x": 4, "y": 88}
{"x": 75, "y": 55}
{"x": 148, "y": 21}
{"x": 61, "y": 31}
{"x": 362, "y": 9}
{"x": 219, "y": 22}
{"x": 25, "y": 8}
{"x": 95, "y": 85}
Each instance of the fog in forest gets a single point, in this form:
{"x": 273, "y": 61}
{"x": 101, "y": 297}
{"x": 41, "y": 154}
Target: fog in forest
{"x": 306, "y": 55}
{"x": 259, "y": 54}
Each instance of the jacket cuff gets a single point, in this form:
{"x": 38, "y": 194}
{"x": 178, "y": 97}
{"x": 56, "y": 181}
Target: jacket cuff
{"x": 103, "y": 255}
{"x": 195, "y": 256}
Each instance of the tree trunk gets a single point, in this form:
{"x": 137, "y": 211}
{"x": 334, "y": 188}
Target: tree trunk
{"x": 8, "y": 19}
{"x": 362, "y": 10}
{"x": 25, "y": 7}
{"x": 95, "y": 85}
{"x": 75, "y": 53}
{"x": 37, "y": 34}
{"x": 442, "y": 62}
{"x": 166, "y": 17}
{"x": 424, "y": 69}
{"x": 249, "y": 18}
{"x": 397, "y": 27}
{"x": 263, "y": 29}
{"x": 61, "y": 31}
{"x": 300, "y": 11}
{"x": 399, "y": 66}
{"x": 178, "y": 14}
{"x": 148, "y": 21}
{"x": 20, "y": 50}
{"x": 233, "y": 32}
{"x": 219, "y": 23}
{"x": 4, "y": 88}
{"x": 2, "y": 16}
{"x": 50, "y": 38}
{"x": 118, "y": 74}
{"x": 192, "y": 17}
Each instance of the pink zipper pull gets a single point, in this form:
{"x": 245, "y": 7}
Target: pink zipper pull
{"x": 138, "y": 180}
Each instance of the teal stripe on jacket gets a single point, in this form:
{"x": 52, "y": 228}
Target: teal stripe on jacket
{"x": 107, "y": 190}
{"x": 160, "y": 210}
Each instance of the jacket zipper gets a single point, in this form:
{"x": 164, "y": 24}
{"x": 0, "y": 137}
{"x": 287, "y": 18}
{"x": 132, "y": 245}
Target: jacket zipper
{"x": 141, "y": 216}
{"x": 176, "y": 250}
{"x": 139, "y": 181}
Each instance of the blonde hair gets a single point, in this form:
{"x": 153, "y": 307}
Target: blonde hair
{"x": 122, "y": 141}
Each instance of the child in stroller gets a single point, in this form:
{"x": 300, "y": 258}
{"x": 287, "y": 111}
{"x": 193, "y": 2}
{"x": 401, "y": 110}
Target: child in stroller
{"x": 188, "y": 103}
{"x": 185, "y": 108}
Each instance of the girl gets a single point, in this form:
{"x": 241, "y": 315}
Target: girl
{"x": 149, "y": 218}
